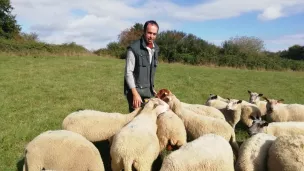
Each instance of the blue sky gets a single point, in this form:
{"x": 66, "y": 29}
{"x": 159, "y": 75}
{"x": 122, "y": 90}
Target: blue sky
{"x": 95, "y": 23}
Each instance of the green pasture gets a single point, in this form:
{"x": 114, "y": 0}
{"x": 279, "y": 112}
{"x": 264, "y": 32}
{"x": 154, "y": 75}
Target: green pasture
{"x": 36, "y": 93}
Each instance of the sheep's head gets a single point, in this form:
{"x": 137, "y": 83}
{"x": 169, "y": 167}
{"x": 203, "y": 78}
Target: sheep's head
{"x": 157, "y": 105}
{"x": 257, "y": 126}
{"x": 254, "y": 97}
{"x": 272, "y": 104}
{"x": 233, "y": 104}
{"x": 163, "y": 93}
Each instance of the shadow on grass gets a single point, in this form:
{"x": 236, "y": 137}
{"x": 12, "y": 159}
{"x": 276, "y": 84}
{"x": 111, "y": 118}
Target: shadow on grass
{"x": 104, "y": 150}
{"x": 19, "y": 164}
{"x": 241, "y": 133}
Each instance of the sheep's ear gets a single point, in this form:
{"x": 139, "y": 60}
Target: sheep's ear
{"x": 260, "y": 95}
{"x": 249, "y": 91}
{"x": 264, "y": 124}
{"x": 259, "y": 118}
{"x": 281, "y": 100}
{"x": 265, "y": 98}
{"x": 252, "y": 117}
{"x": 214, "y": 97}
{"x": 166, "y": 99}
{"x": 240, "y": 101}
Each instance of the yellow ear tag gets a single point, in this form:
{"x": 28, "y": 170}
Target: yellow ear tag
{"x": 146, "y": 100}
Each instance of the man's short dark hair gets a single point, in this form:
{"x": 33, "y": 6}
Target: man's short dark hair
{"x": 150, "y": 22}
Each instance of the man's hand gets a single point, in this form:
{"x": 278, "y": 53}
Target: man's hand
{"x": 154, "y": 92}
{"x": 136, "y": 99}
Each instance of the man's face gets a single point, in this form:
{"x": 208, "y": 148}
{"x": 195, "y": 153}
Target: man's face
{"x": 150, "y": 34}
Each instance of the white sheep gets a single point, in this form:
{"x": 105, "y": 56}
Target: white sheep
{"x": 209, "y": 152}
{"x": 61, "y": 150}
{"x": 253, "y": 153}
{"x": 196, "y": 108}
{"x": 286, "y": 154}
{"x": 276, "y": 128}
{"x": 204, "y": 110}
{"x": 171, "y": 130}
{"x": 231, "y": 109}
{"x": 245, "y": 109}
{"x": 198, "y": 125}
{"x": 234, "y": 110}
{"x": 254, "y": 98}
{"x": 96, "y": 125}
{"x": 136, "y": 144}
{"x": 278, "y": 112}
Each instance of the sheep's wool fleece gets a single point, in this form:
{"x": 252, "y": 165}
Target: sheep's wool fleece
{"x": 209, "y": 152}
{"x": 62, "y": 150}
{"x": 253, "y": 153}
{"x": 287, "y": 154}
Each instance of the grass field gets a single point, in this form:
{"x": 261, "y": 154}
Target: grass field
{"x": 36, "y": 93}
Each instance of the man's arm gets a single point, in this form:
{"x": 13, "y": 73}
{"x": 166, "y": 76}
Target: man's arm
{"x": 129, "y": 69}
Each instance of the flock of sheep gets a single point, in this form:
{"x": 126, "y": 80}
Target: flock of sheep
{"x": 201, "y": 137}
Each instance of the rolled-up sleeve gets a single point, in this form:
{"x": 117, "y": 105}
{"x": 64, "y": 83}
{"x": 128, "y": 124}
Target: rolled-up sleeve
{"x": 129, "y": 68}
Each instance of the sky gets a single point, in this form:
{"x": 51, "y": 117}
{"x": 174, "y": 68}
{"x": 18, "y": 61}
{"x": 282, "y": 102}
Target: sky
{"x": 95, "y": 23}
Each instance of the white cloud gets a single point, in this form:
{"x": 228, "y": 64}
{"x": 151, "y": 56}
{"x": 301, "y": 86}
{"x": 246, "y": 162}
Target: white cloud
{"x": 271, "y": 13}
{"x": 102, "y": 20}
{"x": 285, "y": 42}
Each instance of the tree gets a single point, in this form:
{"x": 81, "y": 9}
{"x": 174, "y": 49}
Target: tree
{"x": 127, "y": 36}
{"x": 243, "y": 44}
{"x": 295, "y": 52}
{"x": 8, "y": 24}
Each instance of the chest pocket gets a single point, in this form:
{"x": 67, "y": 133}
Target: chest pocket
{"x": 143, "y": 60}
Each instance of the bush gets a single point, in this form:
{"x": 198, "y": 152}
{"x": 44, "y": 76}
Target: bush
{"x": 40, "y": 48}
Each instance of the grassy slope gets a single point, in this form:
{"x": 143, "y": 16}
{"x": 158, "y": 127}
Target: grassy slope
{"x": 38, "y": 92}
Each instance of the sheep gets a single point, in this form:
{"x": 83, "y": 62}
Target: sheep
{"x": 286, "y": 154}
{"x": 217, "y": 102}
{"x": 96, "y": 125}
{"x": 209, "y": 152}
{"x": 278, "y": 112}
{"x": 234, "y": 110}
{"x": 136, "y": 144}
{"x": 170, "y": 130}
{"x": 196, "y": 108}
{"x": 245, "y": 109}
{"x": 254, "y": 98}
{"x": 276, "y": 128}
{"x": 197, "y": 125}
{"x": 61, "y": 150}
{"x": 253, "y": 153}
{"x": 233, "y": 113}
{"x": 204, "y": 110}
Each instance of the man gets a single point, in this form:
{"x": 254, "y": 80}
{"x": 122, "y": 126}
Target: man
{"x": 141, "y": 63}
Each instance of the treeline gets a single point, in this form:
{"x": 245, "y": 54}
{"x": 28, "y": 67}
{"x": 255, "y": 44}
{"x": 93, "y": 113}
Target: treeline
{"x": 14, "y": 42}
{"x": 238, "y": 52}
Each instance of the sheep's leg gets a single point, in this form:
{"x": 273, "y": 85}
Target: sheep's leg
{"x": 234, "y": 145}
{"x": 116, "y": 166}
{"x": 32, "y": 162}
{"x": 128, "y": 165}
{"x": 144, "y": 167}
